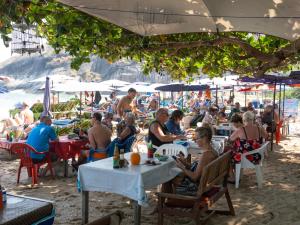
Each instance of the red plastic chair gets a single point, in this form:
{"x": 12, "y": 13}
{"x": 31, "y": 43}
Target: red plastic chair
{"x": 23, "y": 151}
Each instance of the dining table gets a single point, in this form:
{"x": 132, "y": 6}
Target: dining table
{"x": 65, "y": 148}
{"x": 131, "y": 181}
{"x": 26, "y": 210}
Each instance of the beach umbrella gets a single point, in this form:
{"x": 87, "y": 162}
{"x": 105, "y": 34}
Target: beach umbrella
{"x": 175, "y": 87}
{"x": 274, "y": 17}
{"x": 138, "y": 88}
{"x": 46, "y": 101}
{"x": 114, "y": 83}
{"x": 77, "y": 86}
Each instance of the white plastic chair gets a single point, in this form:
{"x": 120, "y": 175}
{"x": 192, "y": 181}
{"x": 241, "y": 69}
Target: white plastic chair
{"x": 218, "y": 146}
{"x": 172, "y": 149}
{"x": 246, "y": 164}
{"x": 219, "y": 137}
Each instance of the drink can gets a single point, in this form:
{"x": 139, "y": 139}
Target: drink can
{"x": 150, "y": 153}
{"x": 4, "y": 197}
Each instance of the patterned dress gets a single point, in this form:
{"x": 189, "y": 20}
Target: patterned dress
{"x": 245, "y": 145}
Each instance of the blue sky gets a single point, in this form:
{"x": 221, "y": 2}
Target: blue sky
{"x": 4, "y": 52}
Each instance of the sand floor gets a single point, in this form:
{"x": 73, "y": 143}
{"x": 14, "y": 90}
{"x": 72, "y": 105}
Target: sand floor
{"x": 277, "y": 203}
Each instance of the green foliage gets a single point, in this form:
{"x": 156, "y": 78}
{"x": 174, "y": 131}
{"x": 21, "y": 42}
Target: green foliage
{"x": 293, "y": 93}
{"x": 37, "y": 108}
{"x": 13, "y": 112}
{"x": 81, "y": 35}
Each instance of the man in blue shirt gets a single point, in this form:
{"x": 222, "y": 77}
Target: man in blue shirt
{"x": 39, "y": 138}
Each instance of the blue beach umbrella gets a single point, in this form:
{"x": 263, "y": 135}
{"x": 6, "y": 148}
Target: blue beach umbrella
{"x": 46, "y": 101}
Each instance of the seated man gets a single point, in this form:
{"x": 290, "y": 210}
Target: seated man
{"x": 39, "y": 138}
{"x": 158, "y": 132}
{"x": 99, "y": 134}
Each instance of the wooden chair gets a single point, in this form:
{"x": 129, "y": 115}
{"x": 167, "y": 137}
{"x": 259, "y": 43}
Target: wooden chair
{"x": 212, "y": 186}
{"x": 23, "y": 151}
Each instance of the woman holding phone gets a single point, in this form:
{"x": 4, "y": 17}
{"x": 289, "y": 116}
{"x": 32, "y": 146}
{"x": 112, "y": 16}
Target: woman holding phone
{"x": 187, "y": 182}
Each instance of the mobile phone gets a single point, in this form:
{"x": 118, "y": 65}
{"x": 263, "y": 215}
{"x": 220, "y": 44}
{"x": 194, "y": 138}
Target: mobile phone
{"x": 174, "y": 157}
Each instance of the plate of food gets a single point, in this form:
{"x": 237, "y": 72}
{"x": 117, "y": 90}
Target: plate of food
{"x": 150, "y": 162}
{"x": 162, "y": 158}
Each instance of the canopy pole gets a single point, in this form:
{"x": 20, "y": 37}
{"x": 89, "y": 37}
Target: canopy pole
{"x": 273, "y": 116}
{"x": 245, "y": 98}
{"x": 158, "y": 99}
{"x": 92, "y": 104}
{"x": 217, "y": 95}
{"x": 232, "y": 94}
{"x": 279, "y": 108}
{"x": 283, "y": 99}
{"x": 80, "y": 105}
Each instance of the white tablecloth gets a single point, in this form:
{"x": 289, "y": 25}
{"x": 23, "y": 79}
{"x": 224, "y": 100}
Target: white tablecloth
{"x": 131, "y": 182}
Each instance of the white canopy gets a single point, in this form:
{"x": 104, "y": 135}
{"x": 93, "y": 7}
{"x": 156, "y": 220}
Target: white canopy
{"x": 114, "y": 83}
{"x": 139, "y": 88}
{"x": 153, "y": 17}
{"x": 76, "y": 86}
{"x": 220, "y": 81}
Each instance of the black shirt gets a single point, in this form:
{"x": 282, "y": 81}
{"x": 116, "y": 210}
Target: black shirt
{"x": 151, "y": 137}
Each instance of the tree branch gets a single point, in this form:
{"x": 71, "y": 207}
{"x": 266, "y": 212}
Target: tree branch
{"x": 219, "y": 42}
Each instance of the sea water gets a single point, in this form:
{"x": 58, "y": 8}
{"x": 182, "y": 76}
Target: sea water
{"x": 9, "y": 100}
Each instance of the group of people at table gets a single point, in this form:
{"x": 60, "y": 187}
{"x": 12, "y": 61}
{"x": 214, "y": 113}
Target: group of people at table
{"x": 248, "y": 134}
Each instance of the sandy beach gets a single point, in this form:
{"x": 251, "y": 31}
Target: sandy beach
{"x": 277, "y": 203}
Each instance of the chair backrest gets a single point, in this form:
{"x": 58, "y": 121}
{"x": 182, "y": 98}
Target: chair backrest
{"x": 172, "y": 149}
{"x": 219, "y": 137}
{"x": 263, "y": 149}
{"x": 23, "y": 151}
{"x": 215, "y": 173}
{"x": 218, "y": 146}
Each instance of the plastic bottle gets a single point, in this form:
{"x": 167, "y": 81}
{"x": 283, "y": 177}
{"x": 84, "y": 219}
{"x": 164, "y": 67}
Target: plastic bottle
{"x": 11, "y": 136}
{"x": 116, "y": 158}
{"x": 150, "y": 150}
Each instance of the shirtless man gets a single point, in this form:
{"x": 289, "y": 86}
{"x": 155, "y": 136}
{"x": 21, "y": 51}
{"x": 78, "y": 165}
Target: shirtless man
{"x": 99, "y": 137}
{"x": 99, "y": 134}
{"x": 26, "y": 114}
{"x": 125, "y": 104}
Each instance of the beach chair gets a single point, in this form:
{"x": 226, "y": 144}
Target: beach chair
{"x": 246, "y": 164}
{"x": 22, "y": 150}
{"x": 111, "y": 219}
{"x": 212, "y": 186}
